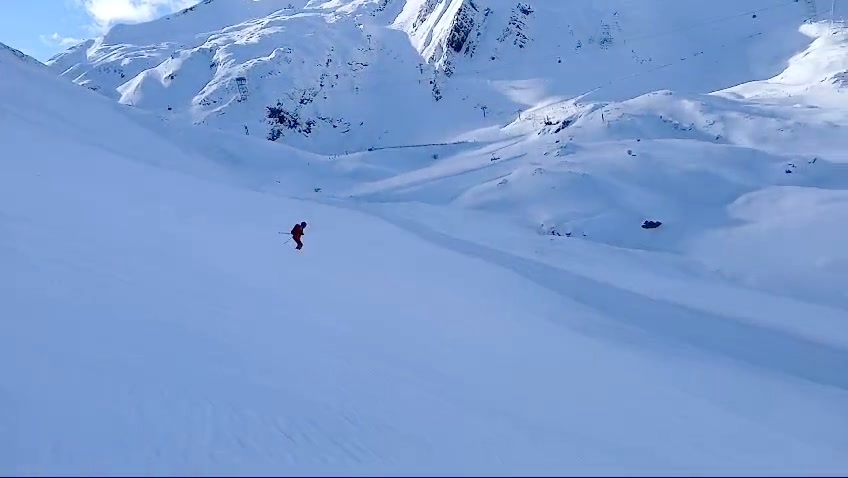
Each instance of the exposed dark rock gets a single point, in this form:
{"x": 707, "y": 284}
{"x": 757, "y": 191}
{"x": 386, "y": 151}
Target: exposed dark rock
{"x": 516, "y": 25}
{"x": 463, "y": 24}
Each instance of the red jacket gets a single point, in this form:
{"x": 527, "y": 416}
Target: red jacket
{"x": 297, "y": 231}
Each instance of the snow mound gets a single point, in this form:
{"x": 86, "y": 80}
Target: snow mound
{"x": 814, "y": 77}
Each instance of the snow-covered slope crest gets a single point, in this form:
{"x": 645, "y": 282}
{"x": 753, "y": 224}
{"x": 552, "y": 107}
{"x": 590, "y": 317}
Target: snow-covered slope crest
{"x": 12, "y": 54}
{"x": 328, "y": 75}
{"x": 816, "y": 76}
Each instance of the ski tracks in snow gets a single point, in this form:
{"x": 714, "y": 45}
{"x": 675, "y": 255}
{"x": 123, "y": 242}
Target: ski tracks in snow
{"x": 675, "y": 324}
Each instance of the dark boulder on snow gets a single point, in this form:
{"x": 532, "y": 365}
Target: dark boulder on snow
{"x": 651, "y": 224}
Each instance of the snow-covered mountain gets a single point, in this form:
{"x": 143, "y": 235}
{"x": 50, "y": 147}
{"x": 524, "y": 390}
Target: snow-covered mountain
{"x": 345, "y": 75}
{"x": 154, "y": 321}
{"x": 497, "y": 304}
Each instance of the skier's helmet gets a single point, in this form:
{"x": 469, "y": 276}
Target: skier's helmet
{"x": 303, "y": 224}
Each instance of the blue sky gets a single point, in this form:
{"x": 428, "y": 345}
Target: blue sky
{"x": 42, "y": 28}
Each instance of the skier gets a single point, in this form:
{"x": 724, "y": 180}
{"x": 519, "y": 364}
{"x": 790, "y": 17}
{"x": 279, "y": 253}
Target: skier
{"x": 297, "y": 233}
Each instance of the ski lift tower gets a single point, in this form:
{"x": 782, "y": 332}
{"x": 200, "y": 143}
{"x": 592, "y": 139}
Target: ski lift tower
{"x": 811, "y": 11}
{"x": 241, "y": 84}
{"x": 834, "y": 19}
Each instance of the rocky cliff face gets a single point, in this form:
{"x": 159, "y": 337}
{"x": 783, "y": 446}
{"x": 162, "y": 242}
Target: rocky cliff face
{"x": 443, "y": 29}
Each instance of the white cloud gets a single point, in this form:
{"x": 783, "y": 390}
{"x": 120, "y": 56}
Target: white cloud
{"x": 56, "y": 39}
{"x": 106, "y": 13}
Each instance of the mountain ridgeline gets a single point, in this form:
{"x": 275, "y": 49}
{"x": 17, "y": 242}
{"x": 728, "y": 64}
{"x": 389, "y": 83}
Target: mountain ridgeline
{"x": 347, "y": 75}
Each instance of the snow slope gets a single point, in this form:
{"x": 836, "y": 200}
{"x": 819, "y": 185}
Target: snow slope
{"x": 154, "y": 321}
{"x": 346, "y": 75}
{"x": 730, "y": 175}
